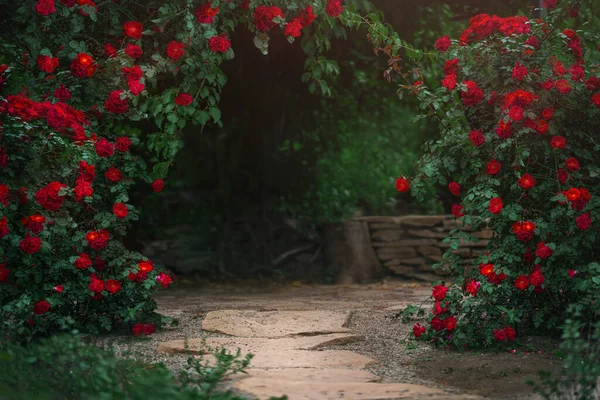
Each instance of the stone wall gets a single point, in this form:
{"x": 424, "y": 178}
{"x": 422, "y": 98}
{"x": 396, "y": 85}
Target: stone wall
{"x": 409, "y": 246}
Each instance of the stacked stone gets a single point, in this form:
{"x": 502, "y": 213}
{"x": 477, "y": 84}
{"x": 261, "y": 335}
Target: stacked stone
{"x": 409, "y": 246}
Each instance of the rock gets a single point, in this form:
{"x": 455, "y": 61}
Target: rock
{"x": 313, "y": 375}
{"x": 420, "y": 221}
{"x": 383, "y": 225}
{"x": 263, "y": 388}
{"x": 254, "y": 345}
{"x": 414, "y": 261}
{"x": 429, "y": 250}
{"x": 426, "y": 233}
{"x": 387, "y": 235}
{"x": 273, "y": 324}
{"x": 336, "y": 359}
{"x": 393, "y": 253}
{"x": 406, "y": 243}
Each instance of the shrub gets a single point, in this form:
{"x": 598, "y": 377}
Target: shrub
{"x": 518, "y": 109}
{"x": 65, "y": 367}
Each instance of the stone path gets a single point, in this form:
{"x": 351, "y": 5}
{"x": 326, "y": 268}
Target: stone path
{"x": 289, "y": 359}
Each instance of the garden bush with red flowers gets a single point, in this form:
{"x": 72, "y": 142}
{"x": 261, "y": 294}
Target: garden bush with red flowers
{"x": 73, "y": 76}
{"x": 519, "y": 117}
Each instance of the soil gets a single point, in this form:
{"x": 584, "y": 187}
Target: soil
{"x": 375, "y": 309}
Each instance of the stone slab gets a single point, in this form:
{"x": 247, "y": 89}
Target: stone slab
{"x": 272, "y": 324}
{"x": 255, "y": 345}
{"x": 336, "y": 359}
{"x": 313, "y": 375}
{"x": 263, "y": 388}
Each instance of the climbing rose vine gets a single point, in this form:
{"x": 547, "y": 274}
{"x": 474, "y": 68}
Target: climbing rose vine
{"x": 74, "y": 77}
{"x": 519, "y": 114}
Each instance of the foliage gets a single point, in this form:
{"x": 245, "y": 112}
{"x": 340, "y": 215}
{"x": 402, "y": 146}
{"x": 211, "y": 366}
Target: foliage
{"x": 357, "y": 154}
{"x": 580, "y": 352}
{"x": 517, "y": 111}
{"x": 65, "y": 367}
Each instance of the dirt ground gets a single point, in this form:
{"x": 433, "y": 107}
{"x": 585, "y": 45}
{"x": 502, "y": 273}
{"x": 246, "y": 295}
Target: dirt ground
{"x": 375, "y": 310}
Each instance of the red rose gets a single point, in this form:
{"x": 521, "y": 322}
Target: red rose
{"x": 563, "y": 86}
{"x": 133, "y": 50}
{"x": 164, "y": 279}
{"x": 264, "y": 16}
{"x": 48, "y": 196}
{"x": 457, "y": 210}
{"x": 472, "y": 287}
{"x": 133, "y": 29}
{"x": 137, "y": 329}
{"x": 500, "y": 335}
{"x": 334, "y": 8}
{"x": 558, "y": 142}
{"x": 577, "y": 73}
{"x": 83, "y": 261}
{"x": 454, "y": 188}
{"x": 573, "y": 194}
{"x": 112, "y": 286}
{"x": 133, "y": 73}
{"x": 562, "y": 176}
{"x": 543, "y": 251}
{"x": 31, "y": 244}
{"x": 4, "y": 230}
{"x": 496, "y": 205}
{"x": 418, "y": 330}
{"x": 41, "y": 307}
{"x": 175, "y": 50}
{"x": 82, "y": 189}
{"x": 584, "y": 221}
{"x": 219, "y": 44}
{"x": 145, "y": 266}
{"x": 519, "y": 72}
{"x": 522, "y": 282}
{"x": 492, "y": 167}
{"x": 96, "y": 285}
{"x": 113, "y": 174}
{"x": 97, "y": 240}
{"x": 45, "y": 7}
{"x": 515, "y": 113}
{"x": 536, "y": 278}
{"x": 158, "y": 185}
{"x": 443, "y": 44}
{"x": 47, "y": 63}
{"x": 307, "y": 16}
{"x": 548, "y": 113}
{"x": 59, "y": 288}
{"x": 293, "y": 28}
{"x": 109, "y": 51}
{"x": 527, "y": 181}
{"x": 596, "y": 99}
{"x": 122, "y": 144}
{"x": 115, "y": 104}
{"x": 104, "y": 148}
{"x": 183, "y": 99}
{"x": 450, "y": 323}
{"x": 449, "y": 82}
{"x": 120, "y": 210}
{"x": 62, "y": 93}
{"x": 504, "y": 129}
{"x": 4, "y": 273}
{"x": 135, "y": 87}
{"x": 510, "y": 333}
{"x": 148, "y": 329}
{"x": 83, "y": 66}
{"x": 572, "y": 164}
{"x": 437, "y": 324}
{"x": 402, "y": 184}
{"x": 472, "y": 95}
{"x": 439, "y": 292}
{"x": 476, "y": 137}
{"x": 205, "y": 14}
{"x": 34, "y": 223}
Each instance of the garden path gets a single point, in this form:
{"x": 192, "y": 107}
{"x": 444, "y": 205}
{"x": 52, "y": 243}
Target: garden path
{"x": 305, "y": 340}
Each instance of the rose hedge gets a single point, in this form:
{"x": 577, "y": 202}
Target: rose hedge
{"x": 518, "y": 110}
{"x": 73, "y": 75}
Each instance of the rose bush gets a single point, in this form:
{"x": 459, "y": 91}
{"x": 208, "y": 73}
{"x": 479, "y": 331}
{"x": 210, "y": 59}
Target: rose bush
{"x": 518, "y": 149}
{"x": 72, "y": 73}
